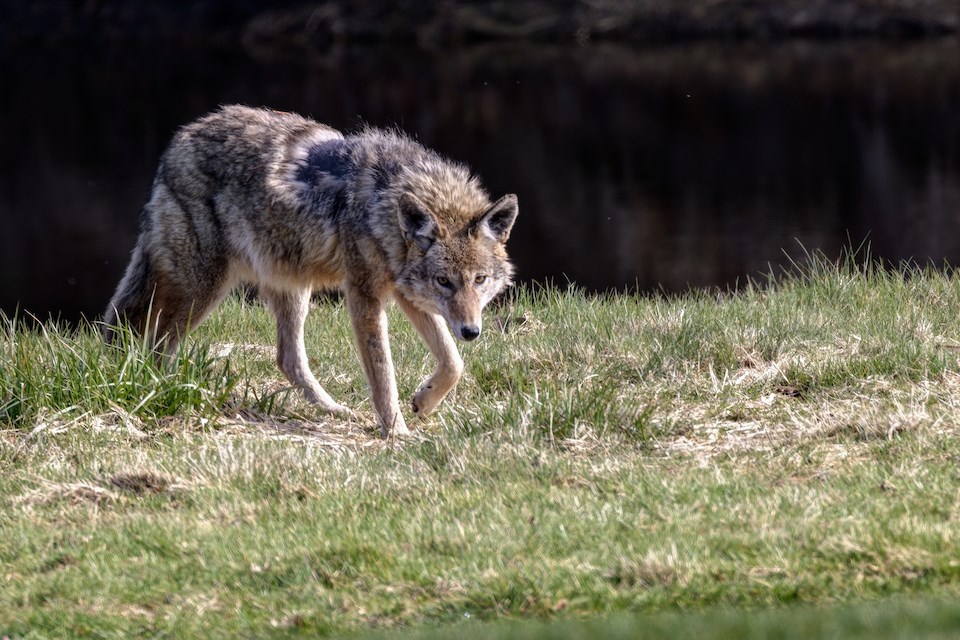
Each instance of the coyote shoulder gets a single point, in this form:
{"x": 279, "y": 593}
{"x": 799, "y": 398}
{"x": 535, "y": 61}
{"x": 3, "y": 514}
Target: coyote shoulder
{"x": 292, "y": 205}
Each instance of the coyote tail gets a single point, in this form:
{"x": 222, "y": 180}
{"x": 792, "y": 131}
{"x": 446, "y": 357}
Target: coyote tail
{"x": 134, "y": 296}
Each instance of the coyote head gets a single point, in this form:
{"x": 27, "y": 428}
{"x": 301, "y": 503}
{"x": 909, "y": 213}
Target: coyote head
{"x": 456, "y": 263}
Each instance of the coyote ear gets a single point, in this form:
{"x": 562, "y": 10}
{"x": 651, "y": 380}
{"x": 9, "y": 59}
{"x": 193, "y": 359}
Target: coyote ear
{"x": 497, "y": 221}
{"x": 417, "y": 223}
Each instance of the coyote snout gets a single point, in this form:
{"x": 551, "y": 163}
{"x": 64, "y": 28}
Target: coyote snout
{"x": 465, "y": 323}
{"x": 462, "y": 312}
{"x": 470, "y": 332}
{"x": 291, "y": 205}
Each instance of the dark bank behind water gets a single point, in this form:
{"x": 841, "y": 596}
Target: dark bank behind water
{"x": 665, "y": 168}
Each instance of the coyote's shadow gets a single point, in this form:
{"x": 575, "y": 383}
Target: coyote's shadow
{"x": 322, "y": 430}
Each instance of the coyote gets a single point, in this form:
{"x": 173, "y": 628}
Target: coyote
{"x": 291, "y": 206}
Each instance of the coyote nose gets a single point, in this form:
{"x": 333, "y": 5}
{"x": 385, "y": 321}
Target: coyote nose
{"x": 470, "y": 332}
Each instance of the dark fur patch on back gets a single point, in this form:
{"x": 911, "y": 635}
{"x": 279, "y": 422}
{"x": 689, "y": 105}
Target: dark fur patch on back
{"x": 330, "y": 157}
{"x": 327, "y": 172}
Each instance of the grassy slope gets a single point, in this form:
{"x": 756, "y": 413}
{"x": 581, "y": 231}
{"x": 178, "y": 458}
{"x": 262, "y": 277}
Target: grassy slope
{"x": 793, "y": 445}
{"x": 889, "y": 619}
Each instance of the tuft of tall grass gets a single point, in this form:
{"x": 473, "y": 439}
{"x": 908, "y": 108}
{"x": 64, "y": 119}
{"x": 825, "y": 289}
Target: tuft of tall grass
{"x": 52, "y": 371}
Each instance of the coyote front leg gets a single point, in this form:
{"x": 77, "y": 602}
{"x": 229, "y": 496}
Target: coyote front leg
{"x": 369, "y": 319}
{"x": 433, "y": 331}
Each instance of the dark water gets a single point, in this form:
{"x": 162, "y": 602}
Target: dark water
{"x": 666, "y": 168}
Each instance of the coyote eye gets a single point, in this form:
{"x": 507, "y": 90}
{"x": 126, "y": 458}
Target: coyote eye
{"x": 480, "y": 279}
{"x": 443, "y": 282}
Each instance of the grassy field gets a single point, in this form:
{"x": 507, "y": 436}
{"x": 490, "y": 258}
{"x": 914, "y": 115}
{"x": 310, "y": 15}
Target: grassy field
{"x": 713, "y": 465}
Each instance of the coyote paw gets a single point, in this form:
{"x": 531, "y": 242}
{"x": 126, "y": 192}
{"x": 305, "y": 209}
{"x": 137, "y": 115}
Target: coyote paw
{"x": 322, "y": 399}
{"x": 341, "y": 411}
{"x": 398, "y": 429}
{"x": 425, "y": 400}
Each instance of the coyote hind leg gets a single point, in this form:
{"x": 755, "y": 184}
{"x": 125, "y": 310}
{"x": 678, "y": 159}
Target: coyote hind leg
{"x": 174, "y": 313}
{"x": 161, "y": 306}
{"x": 178, "y": 272}
{"x": 290, "y": 309}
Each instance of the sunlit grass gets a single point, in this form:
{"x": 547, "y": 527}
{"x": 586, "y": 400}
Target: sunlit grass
{"x": 789, "y": 444}
{"x": 53, "y": 372}
{"x": 901, "y": 619}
